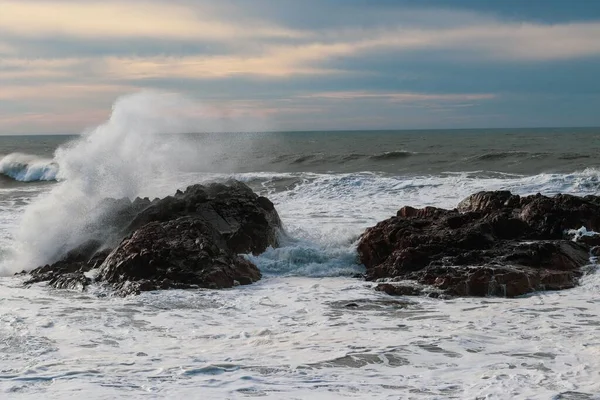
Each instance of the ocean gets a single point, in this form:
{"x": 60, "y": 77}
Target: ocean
{"x": 289, "y": 336}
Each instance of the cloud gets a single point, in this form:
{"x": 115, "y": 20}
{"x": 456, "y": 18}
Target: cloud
{"x": 497, "y": 43}
{"x": 52, "y": 122}
{"x": 523, "y": 41}
{"x": 64, "y": 91}
{"x": 292, "y": 55}
{"x": 102, "y": 19}
{"x": 6, "y": 49}
{"x": 12, "y": 68}
{"x": 247, "y": 46}
{"x": 272, "y": 61}
{"x": 493, "y": 41}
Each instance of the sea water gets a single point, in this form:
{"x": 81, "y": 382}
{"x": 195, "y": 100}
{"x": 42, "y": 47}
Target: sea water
{"x": 307, "y": 329}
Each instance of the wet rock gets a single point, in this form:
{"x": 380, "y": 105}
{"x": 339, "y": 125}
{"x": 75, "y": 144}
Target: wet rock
{"x": 493, "y": 244}
{"x": 72, "y": 281}
{"x": 590, "y": 240}
{"x": 399, "y": 290}
{"x": 185, "y": 252}
{"x": 190, "y": 240}
{"x": 248, "y": 223}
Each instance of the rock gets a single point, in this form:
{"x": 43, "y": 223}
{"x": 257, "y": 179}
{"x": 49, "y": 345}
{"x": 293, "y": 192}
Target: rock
{"x": 248, "y": 223}
{"x": 399, "y": 290}
{"x": 185, "y": 252}
{"x": 590, "y": 240}
{"x": 493, "y": 244}
{"x": 190, "y": 240}
{"x": 486, "y": 202}
{"x": 549, "y": 217}
{"x": 72, "y": 281}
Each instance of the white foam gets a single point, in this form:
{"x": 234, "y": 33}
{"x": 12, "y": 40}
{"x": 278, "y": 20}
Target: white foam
{"x": 285, "y": 338}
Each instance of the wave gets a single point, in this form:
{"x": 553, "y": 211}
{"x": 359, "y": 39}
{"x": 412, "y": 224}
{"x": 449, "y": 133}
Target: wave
{"x": 28, "y": 168}
{"x": 304, "y": 158}
{"x": 320, "y": 158}
{"x": 573, "y": 156}
{"x": 501, "y": 155}
{"x": 392, "y": 155}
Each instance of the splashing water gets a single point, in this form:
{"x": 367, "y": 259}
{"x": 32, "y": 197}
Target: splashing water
{"x": 139, "y": 151}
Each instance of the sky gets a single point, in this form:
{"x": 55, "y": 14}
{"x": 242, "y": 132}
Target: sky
{"x": 305, "y": 65}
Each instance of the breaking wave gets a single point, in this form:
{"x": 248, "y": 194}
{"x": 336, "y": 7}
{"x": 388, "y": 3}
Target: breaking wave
{"x": 28, "y": 168}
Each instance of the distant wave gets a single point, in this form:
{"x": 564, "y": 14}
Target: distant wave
{"x": 352, "y": 157}
{"x": 500, "y": 155}
{"x": 392, "y": 155}
{"x": 321, "y": 158}
{"x": 28, "y": 168}
{"x": 304, "y": 158}
{"x": 573, "y": 156}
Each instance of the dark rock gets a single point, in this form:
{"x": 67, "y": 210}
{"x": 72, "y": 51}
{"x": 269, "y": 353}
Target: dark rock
{"x": 83, "y": 252}
{"x": 247, "y": 222}
{"x": 399, "y": 290}
{"x": 184, "y": 252}
{"x": 486, "y": 202}
{"x": 189, "y": 240}
{"x": 73, "y": 281}
{"x": 589, "y": 240}
{"x": 493, "y": 244}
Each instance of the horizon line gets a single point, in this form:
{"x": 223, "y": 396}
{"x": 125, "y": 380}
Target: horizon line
{"x": 333, "y": 130}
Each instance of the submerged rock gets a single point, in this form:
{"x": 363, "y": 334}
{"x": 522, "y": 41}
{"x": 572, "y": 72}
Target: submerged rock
{"x": 191, "y": 239}
{"x": 493, "y": 244}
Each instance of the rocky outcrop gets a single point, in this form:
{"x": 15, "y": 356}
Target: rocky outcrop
{"x": 492, "y": 244}
{"x": 190, "y": 240}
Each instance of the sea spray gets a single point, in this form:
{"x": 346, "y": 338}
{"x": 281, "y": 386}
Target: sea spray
{"x": 140, "y": 150}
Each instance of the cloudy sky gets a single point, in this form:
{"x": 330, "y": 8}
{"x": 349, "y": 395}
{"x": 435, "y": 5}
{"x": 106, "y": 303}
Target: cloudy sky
{"x": 305, "y": 65}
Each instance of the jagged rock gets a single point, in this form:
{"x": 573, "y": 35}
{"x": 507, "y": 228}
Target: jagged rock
{"x": 188, "y": 240}
{"x": 185, "y": 252}
{"x": 248, "y": 223}
{"x": 494, "y": 243}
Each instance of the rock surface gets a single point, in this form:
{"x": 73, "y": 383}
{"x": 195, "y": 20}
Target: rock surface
{"x": 191, "y": 239}
{"x": 492, "y": 244}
